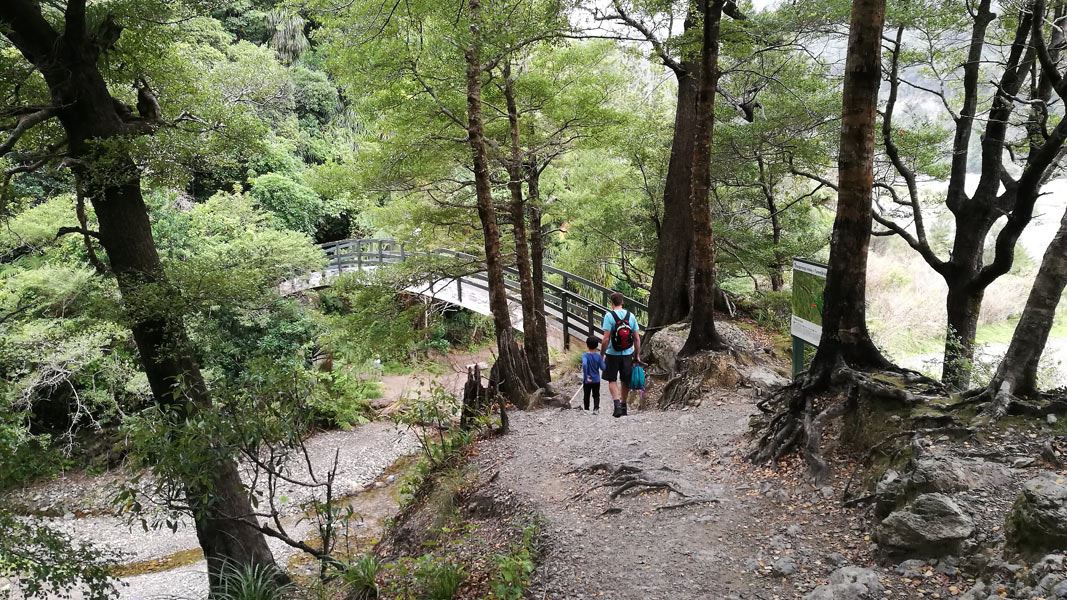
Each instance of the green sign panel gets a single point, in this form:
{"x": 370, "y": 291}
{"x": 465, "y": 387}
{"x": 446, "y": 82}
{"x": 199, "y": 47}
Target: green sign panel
{"x": 809, "y": 280}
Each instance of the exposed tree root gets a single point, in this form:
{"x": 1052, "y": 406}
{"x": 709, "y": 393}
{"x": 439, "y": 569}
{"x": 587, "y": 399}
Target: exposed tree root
{"x": 998, "y": 400}
{"x": 632, "y": 477}
{"x": 688, "y": 502}
{"x": 797, "y": 423}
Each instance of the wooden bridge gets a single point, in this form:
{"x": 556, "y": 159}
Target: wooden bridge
{"x": 574, "y": 306}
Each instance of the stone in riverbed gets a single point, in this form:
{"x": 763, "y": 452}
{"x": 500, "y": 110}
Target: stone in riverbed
{"x": 931, "y": 525}
{"x": 1037, "y": 522}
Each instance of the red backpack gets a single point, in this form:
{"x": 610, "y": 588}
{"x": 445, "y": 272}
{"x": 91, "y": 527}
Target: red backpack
{"x": 622, "y": 336}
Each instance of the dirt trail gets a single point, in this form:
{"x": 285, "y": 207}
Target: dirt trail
{"x": 766, "y": 535}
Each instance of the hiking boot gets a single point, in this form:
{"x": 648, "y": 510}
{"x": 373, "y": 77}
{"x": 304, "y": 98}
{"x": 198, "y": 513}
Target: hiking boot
{"x": 596, "y": 411}
{"x": 618, "y": 409}
{"x": 623, "y": 408}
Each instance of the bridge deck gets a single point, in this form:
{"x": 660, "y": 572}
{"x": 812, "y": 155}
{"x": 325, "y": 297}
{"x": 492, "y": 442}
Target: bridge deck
{"x": 568, "y": 307}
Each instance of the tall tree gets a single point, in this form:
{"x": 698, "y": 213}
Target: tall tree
{"x": 511, "y": 367}
{"x": 96, "y": 127}
{"x": 846, "y": 343}
{"x": 845, "y": 338}
{"x": 669, "y": 299}
{"x": 534, "y": 325}
{"x": 702, "y": 334}
{"x": 1027, "y": 74}
{"x": 1017, "y": 374}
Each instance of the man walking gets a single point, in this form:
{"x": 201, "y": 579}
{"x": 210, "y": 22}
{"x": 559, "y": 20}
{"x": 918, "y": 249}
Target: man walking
{"x": 621, "y": 346}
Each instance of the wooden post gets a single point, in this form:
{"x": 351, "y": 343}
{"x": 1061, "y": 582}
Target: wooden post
{"x": 459, "y": 289}
{"x": 566, "y": 319}
{"x": 591, "y": 320}
{"x": 359, "y": 254}
{"x": 381, "y": 252}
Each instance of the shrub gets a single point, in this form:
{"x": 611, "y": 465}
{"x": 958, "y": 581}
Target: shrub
{"x": 297, "y": 206}
{"x": 513, "y": 570}
{"x": 361, "y": 577}
{"x": 439, "y": 581}
{"x": 250, "y": 582}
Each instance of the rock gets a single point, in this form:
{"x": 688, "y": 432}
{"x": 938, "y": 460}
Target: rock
{"x": 849, "y": 583}
{"x": 784, "y": 567}
{"x": 888, "y": 492}
{"x": 912, "y": 568}
{"x": 793, "y": 530}
{"x": 1050, "y": 563}
{"x": 940, "y": 474}
{"x": 1051, "y": 419}
{"x": 948, "y": 566}
{"x": 1037, "y": 522}
{"x": 836, "y": 559}
{"x": 931, "y": 525}
{"x": 1060, "y": 591}
{"x": 936, "y": 474}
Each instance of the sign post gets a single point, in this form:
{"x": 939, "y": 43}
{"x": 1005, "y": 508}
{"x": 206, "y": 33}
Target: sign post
{"x": 809, "y": 281}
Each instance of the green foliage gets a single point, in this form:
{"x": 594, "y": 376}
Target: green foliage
{"x": 513, "y": 570}
{"x": 250, "y": 582}
{"x": 37, "y": 561}
{"x": 297, "y": 206}
{"x": 342, "y": 400}
{"x": 774, "y": 310}
{"x": 361, "y": 577}
{"x": 437, "y": 580}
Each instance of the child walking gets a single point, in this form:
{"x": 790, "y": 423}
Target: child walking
{"x": 592, "y": 365}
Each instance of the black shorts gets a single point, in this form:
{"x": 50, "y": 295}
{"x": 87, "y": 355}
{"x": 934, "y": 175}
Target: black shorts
{"x": 619, "y": 364}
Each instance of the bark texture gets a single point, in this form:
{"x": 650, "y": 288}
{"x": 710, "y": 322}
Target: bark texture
{"x": 669, "y": 299}
{"x": 1017, "y": 374}
{"x": 702, "y": 335}
{"x": 537, "y": 260}
{"x": 845, "y": 337}
{"x": 515, "y": 377}
{"x": 537, "y": 359}
{"x": 107, "y": 176}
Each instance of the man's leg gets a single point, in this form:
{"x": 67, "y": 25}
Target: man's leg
{"x": 626, "y": 371}
{"x": 613, "y": 387}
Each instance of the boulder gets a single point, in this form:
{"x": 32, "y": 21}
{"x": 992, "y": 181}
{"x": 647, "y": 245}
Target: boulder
{"x": 931, "y": 525}
{"x": 1037, "y": 523}
{"x": 934, "y": 474}
{"x": 940, "y": 474}
{"x": 849, "y": 583}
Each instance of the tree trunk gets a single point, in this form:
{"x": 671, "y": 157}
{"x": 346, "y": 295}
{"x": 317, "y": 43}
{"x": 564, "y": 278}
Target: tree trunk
{"x": 777, "y": 265}
{"x": 963, "y": 303}
{"x": 1018, "y": 370}
{"x": 702, "y": 335}
{"x": 531, "y": 344}
{"x": 844, "y": 335}
{"x": 668, "y": 301}
{"x": 107, "y": 175}
{"x": 963, "y": 308}
{"x": 515, "y": 378}
{"x": 537, "y": 258}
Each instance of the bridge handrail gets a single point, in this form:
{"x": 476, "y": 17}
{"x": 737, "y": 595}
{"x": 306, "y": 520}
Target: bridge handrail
{"x": 559, "y": 300}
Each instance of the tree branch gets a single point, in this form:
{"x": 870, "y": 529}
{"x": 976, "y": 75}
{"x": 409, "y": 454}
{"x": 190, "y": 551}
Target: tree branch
{"x": 24, "y": 124}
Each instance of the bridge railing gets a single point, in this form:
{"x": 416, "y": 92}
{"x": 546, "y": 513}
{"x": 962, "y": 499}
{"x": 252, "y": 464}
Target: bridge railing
{"x": 576, "y": 306}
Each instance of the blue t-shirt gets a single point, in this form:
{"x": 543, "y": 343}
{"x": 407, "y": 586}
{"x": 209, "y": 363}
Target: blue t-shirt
{"x": 592, "y": 365}
{"x": 609, "y": 323}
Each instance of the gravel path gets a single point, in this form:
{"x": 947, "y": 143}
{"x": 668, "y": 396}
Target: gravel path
{"x": 624, "y": 548}
{"x": 364, "y": 454}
